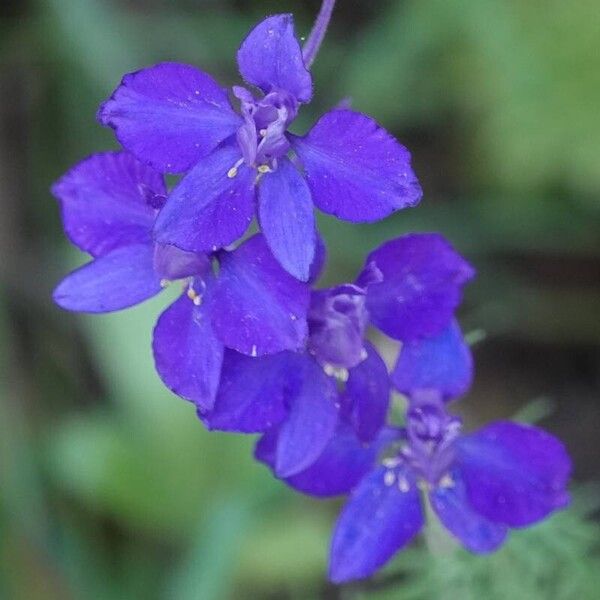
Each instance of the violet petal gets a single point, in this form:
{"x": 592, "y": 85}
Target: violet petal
{"x": 355, "y": 169}
{"x": 252, "y": 392}
{"x": 170, "y": 115}
{"x": 270, "y": 58}
{"x": 368, "y": 391}
{"x": 208, "y": 209}
{"x": 421, "y": 287}
{"x": 382, "y": 515}
{"x": 442, "y": 362}
{"x": 474, "y": 531}
{"x": 103, "y": 201}
{"x": 258, "y": 308}
{"x": 311, "y": 421}
{"x": 286, "y": 216}
{"x": 340, "y": 467}
{"x": 123, "y": 277}
{"x": 514, "y": 474}
{"x": 187, "y": 354}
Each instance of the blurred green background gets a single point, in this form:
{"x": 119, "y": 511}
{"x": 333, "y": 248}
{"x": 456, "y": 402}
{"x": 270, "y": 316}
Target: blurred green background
{"x": 109, "y": 486}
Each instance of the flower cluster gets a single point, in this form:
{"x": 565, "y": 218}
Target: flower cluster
{"x": 252, "y": 342}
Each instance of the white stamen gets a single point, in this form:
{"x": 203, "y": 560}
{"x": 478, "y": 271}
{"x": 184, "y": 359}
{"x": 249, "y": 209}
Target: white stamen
{"x": 389, "y": 478}
{"x": 403, "y": 485}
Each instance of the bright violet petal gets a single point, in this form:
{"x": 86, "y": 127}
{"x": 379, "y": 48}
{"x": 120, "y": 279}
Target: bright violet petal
{"x": 104, "y": 202}
{"x": 443, "y": 363}
{"x": 170, "y": 115}
{"x": 311, "y": 421}
{"x": 368, "y": 390}
{"x": 342, "y": 464}
{"x": 187, "y": 354}
{"x": 286, "y": 216}
{"x": 258, "y": 308}
{"x": 382, "y": 516}
{"x": 208, "y": 209}
{"x": 355, "y": 169}
{"x": 475, "y": 532}
{"x": 252, "y": 392}
{"x": 420, "y": 288}
{"x": 514, "y": 474}
{"x": 123, "y": 277}
{"x": 270, "y": 58}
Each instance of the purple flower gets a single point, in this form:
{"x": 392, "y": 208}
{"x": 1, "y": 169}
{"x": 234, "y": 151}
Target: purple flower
{"x": 109, "y": 203}
{"x": 339, "y": 382}
{"x": 179, "y": 120}
{"x": 479, "y": 485}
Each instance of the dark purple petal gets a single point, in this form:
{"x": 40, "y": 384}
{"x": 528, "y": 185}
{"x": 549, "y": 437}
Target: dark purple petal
{"x": 337, "y": 320}
{"x": 514, "y": 474}
{"x": 123, "y": 277}
{"x": 342, "y": 464}
{"x": 368, "y": 391}
{"x": 208, "y": 209}
{"x": 286, "y": 216}
{"x": 452, "y": 507}
{"x": 443, "y": 363}
{"x": 421, "y": 286}
{"x": 103, "y": 202}
{"x": 252, "y": 393}
{"x": 311, "y": 421}
{"x": 258, "y": 308}
{"x": 270, "y": 58}
{"x": 355, "y": 169}
{"x": 172, "y": 263}
{"x": 187, "y": 354}
{"x": 170, "y": 115}
{"x": 382, "y": 516}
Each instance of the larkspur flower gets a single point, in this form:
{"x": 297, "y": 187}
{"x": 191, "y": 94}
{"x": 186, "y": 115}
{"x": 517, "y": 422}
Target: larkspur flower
{"x": 179, "y": 120}
{"x": 109, "y": 203}
{"x": 339, "y": 382}
{"x": 479, "y": 485}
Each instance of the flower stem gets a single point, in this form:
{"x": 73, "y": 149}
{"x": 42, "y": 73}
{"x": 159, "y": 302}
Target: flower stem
{"x": 313, "y": 43}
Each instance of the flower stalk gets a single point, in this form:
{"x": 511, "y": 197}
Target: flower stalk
{"x": 315, "y": 39}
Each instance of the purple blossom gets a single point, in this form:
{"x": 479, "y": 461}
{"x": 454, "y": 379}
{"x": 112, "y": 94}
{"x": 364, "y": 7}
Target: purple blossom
{"x": 479, "y": 485}
{"x": 339, "y": 382}
{"x": 109, "y": 203}
{"x": 179, "y": 120}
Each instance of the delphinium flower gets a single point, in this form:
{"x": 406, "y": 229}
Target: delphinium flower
{"x": 479, "y": 485}
{"x": 179, "y": 120}
{"x": 409, "y": 287}
{"x": 240, "y": 299}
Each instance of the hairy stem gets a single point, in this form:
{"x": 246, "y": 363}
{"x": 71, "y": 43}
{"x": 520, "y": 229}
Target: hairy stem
{"x": 313, "y": 43}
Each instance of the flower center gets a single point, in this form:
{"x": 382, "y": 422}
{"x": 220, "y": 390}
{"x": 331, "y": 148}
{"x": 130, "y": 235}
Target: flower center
{"x": 430, "y": 435}
{"x": 262, "y": 138}
{"x": 337, "y": 320}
